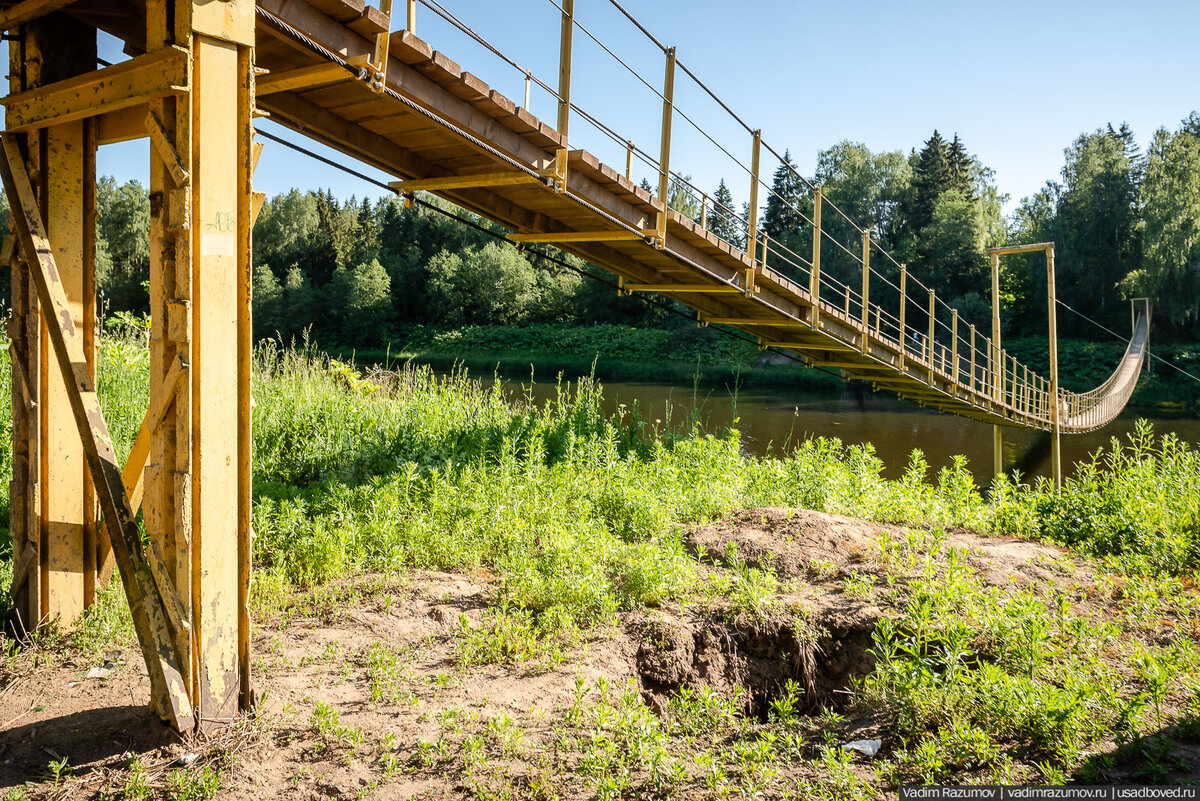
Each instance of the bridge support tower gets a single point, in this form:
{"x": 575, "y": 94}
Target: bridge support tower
{"x": 1054, "y": 399}
{"x": 73, "y": 504}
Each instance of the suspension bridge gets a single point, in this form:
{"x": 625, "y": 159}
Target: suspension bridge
{"x": 335, "y": 72}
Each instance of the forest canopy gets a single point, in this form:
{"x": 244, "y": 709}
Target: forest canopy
{"x": 354, "y": 271}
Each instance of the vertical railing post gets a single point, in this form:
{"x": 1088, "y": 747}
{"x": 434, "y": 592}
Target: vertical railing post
{"x": 814, "y": 277}
{"x": 629, "y": 160}
{"x": 1025, "y": 391}
{"x": 528, "y": 86}
{"x": 1004, "y": 396}
{"x": 903, "y": 307}
{"x": 973, "y": 380}
{"x": 866, "y": 289}
{"x": 704, "y": 211}
{"x": 752, "y": 219}
{"x": 379, "y": 56}
{"x": 1056, "y": 414}
{"x": 1013, "y": 381}
{"x": 929, "y": 345}
{"x": 664, "y": 152}
{"x": 412, "y": 17}
{"x": 564, "y": 67}
{"x": 954, "y": 371}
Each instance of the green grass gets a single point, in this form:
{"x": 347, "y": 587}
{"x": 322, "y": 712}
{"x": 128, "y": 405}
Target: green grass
{"x": 578, "y": 511}
{"x": 579, "y": 515}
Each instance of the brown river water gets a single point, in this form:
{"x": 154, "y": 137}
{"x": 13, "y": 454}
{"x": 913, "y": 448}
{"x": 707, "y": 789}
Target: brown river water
{"x": 774, "y": 420}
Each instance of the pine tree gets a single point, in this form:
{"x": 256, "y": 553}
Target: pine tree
{"x": 721, "y": 219}
{"x": 787, "y": 206}
{"x": 395, "y": 228}
{"x": 366, "y": 245}
{"x": 931, "y": 177}
{"x": 959, "y": 165}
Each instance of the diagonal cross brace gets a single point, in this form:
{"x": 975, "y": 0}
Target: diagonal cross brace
{"x": 146, "y": 603}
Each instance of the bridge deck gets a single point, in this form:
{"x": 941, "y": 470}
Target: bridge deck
{"x": 437, "y": 121}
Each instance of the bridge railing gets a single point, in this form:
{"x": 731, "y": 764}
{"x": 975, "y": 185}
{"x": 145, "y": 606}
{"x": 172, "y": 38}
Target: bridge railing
{"x": 839, "y": 266}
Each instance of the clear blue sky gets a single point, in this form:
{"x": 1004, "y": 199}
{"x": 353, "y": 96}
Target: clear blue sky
{"x": 1018, "y": 81}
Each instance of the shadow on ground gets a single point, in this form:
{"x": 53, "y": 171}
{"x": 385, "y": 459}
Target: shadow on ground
{"x": 102, "y": 737}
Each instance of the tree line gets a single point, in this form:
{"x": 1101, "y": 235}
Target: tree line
{"x": 352, "y": 272}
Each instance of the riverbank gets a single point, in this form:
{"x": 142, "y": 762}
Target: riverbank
{"x": 704, "y": 356}
{"x": 473, "y": 595}
{"x": 683, "y": 356}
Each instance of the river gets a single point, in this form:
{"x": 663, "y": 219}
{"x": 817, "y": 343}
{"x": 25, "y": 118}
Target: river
{"x": 774, "y": 420}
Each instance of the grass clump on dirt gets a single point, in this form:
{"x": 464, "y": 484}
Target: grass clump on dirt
{"x": 500, "y": 599}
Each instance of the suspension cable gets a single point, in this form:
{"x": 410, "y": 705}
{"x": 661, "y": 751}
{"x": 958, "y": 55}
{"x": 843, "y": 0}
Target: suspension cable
{"x": 1123, "y": 339}
{"x": 728, "y": 332}
{"x": 441, "y": 11}
{"x": 639, "y": 25}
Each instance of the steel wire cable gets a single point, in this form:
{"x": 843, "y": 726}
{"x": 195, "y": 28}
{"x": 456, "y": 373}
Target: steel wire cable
{"x": 728, "y": 332}
{"x": 647, "y": 158}
{"x": 639, "y": 25}
{"x": 444, "y": 13}
{"x": 1123, "y": 339}
{"x": 467, "y": 30}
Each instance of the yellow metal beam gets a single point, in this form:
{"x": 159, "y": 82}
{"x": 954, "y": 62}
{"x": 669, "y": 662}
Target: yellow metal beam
{"x": 664, "y": 152}
{"x": 129, "y": 83}
{"x": 682, "y": 288}
{"x": 463, "y": 182}
{"x": 814, "y": 274}
{"x": 302, "y": 78}
{"x": 221, "y": 137}
{"x": 122, "y": 125}
{"x": 858, "y": 366}
{"x": 28, "y": 11}
{"x": 256, "y": 202}
{"x": 379, "y": 57}
{"x": 134, "y": 471}
{"x": 751, "y": 321}
{"x": 1011, "y": 249}
{"x": 584, "y": 236}
{"x": 63, "y": 469}
{"x": 818, "y": 346}
{"x": 564, "y": 67}
{"x": 752, "y": 217}
{"x": 166, "y": 151}
{"x": 146, "y": 604}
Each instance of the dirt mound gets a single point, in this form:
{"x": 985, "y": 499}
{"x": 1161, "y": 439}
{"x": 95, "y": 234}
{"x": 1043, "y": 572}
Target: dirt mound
{"x": 815, "y": 546}
{"x": 821, "y": 634}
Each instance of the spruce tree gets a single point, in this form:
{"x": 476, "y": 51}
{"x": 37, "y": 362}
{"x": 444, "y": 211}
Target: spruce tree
{"x": 931, "y": 177}
{"x": 959, "y": 164}
{"x": 721, "y": 219}
{"x": 787, "y": 206}
{"x": 366, "y": 246}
